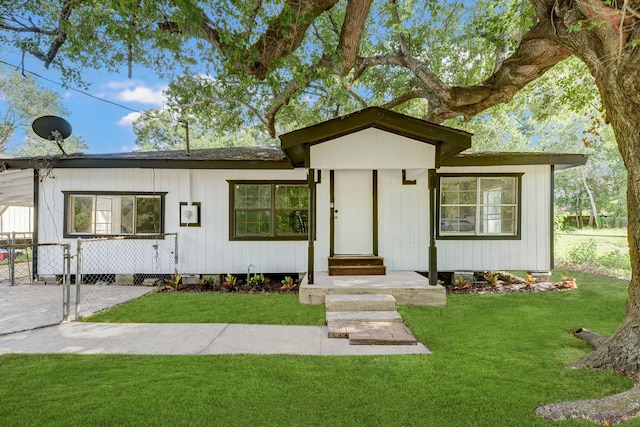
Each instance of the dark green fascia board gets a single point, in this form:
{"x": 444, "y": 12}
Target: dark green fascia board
{"x": 115, "y": 163}
{"x": 451, "y": 141}
{"x": 560, "y": 161}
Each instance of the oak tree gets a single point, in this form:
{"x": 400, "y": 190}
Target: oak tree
{"x": 285, "y": 64}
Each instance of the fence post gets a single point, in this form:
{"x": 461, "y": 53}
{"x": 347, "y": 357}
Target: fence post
{"x": 175, "y": 251}
{"x": 78, "y": 276}
{"x": 12, "y": 258}
{"x": 66, "y": 282}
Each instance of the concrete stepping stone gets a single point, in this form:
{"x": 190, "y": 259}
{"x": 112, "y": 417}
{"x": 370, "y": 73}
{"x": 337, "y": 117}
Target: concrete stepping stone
{"x": 360, "y": 302}
{"x": 364, "y": 316}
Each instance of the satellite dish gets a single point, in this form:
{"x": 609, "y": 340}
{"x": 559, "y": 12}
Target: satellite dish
{"x": 46, "y": 127}
{"x": 52, "y": 128}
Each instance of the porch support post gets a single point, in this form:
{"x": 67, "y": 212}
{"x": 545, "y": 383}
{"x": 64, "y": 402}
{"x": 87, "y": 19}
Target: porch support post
{"x": 311, "y": 223}
{"x": 433, "y": 251}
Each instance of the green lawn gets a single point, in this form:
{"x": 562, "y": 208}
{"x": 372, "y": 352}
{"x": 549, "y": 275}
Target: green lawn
{"x": 214, "y": 308}
{"x": 495, "y": 359}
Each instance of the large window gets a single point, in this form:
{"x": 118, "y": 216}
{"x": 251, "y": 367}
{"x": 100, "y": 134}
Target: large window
{"x": 479, "y": 205}
{"x": 105, "y": 214}
{"x": 268, "y": 210}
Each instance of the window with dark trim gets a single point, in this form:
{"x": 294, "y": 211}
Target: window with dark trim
{"x": 479, "y": 206}
{"x": 113, "y": 213}
{"x": 268, "y": 210}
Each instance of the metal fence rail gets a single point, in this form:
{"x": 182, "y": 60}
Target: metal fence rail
{"x": 606, "y": 254}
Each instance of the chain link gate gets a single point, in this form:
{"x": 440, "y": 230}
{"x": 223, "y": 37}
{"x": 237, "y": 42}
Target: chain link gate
{"x": 110, "y": 267}
{"x": 31, "y": 277}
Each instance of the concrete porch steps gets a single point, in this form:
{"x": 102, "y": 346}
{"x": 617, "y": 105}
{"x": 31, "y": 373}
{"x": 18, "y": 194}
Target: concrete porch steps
{"x": 366, "y": 319}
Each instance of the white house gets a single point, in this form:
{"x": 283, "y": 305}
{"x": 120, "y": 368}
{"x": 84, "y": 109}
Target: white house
{"x": 394, "y": 190}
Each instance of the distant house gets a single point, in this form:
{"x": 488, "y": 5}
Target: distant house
{"x": 374, "y": 183}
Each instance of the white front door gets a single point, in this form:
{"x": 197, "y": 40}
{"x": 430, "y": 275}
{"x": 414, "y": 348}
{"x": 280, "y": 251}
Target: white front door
{"x": 353, "y": 212}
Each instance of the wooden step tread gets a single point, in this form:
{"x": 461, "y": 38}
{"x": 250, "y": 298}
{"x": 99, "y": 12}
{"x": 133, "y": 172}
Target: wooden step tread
{"x": 357, "y": 270}
{"x": 372, "y": 333}
{"x": 344, "y": 260}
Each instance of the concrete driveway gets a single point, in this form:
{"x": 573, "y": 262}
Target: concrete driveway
{"x": 25, "y": 307}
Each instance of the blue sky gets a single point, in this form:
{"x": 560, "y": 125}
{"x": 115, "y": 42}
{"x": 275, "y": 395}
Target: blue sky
{"x": 106, "y": 128}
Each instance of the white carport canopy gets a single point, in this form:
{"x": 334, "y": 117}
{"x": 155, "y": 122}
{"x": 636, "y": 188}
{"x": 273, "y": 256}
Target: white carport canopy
{"x": 16, "y": 188}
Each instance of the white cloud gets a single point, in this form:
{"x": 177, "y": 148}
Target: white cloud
{"x": 144, "y": 95}
{"x": 135, "y": 91}
{"x": 128, "y": 119}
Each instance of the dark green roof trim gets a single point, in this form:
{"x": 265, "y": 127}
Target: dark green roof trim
{"x": 214, "y": 158}
{"x": 560, "y": 161}
{"x": 451, "y": 141}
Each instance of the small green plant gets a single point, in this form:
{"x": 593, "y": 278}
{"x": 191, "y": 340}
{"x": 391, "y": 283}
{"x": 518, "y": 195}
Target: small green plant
{"x": 206, "y": 284}
{"x": 530, "y": 280}
{"x": 462, "y": 282}
{"x": 567, "y": 282}
{"x": 492, "y": 278}
{"x": 288, "y": 283}
{"x": 229, "y": 281}
{"x": 173, "y": 283}
{"x": 257, "y": 281}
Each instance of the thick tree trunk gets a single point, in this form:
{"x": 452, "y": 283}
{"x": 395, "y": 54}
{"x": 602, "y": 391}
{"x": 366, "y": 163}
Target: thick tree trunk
{"x": 621, "y": 352}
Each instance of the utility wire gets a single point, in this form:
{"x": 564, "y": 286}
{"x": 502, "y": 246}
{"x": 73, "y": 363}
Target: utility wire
{"x": 76, "y": 89}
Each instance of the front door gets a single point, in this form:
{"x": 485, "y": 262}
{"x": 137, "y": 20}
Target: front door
{"x": 353, "y": 212}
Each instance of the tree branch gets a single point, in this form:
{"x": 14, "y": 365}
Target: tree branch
{"x": 61, "y": 32}
{"x": 351, "y": 33}
{"x": 407, "y": 96}
{"x": 283, "y": 36}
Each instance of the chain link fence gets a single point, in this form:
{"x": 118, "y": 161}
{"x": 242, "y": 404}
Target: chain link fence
{"x": 107, "y": 267}
{"x": 603, "y": 252}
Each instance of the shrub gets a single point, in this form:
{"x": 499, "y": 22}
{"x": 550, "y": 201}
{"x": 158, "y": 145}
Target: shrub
{"x": 583, "y": 254}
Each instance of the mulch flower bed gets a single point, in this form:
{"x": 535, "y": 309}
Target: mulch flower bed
{"x": 505, "y": 283}
{"x": 257, "y": 284}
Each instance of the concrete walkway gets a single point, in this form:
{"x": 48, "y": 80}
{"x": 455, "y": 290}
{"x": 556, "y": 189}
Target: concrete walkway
{"x": 183, "y": 339}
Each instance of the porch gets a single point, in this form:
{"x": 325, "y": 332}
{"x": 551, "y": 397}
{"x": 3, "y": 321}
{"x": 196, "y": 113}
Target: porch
{"x": 407, "y": 287}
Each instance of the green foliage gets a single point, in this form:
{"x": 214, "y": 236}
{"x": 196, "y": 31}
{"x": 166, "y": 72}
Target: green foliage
{"x": 174, "y": 283}
{"x": 583, "y": 253}
{"x": 288, "y": 283}
{"x": 230, "y": 281}
{"x": 257, "y": 281}
{"x": 491, "y": 278}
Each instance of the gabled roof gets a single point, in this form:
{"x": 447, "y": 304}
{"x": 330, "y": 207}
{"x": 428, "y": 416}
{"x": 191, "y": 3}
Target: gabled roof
{"x": 212, "y": 158}
{"x": 450, "y": 141}
{"x": 559, "y": 160}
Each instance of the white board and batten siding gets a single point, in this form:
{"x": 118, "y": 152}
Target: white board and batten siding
{"x": 531, "y": 252}
{"x": 202, "y": 250}
{"x": 403, "y": 221}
